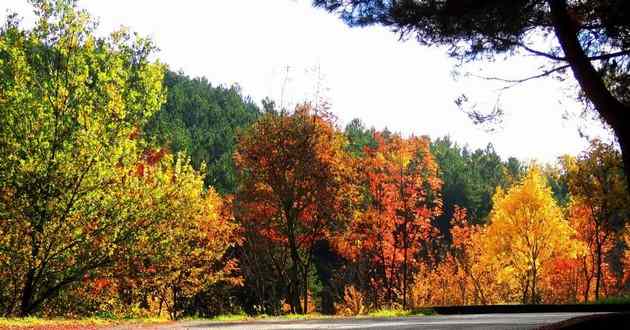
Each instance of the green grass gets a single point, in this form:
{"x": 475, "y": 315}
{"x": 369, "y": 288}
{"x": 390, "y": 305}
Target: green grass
{"x": 109, "y": 321}
{"x": 231, "y": 318}
{"x": 385, "y": 313}
{"x": 304, "y": 316}
{"x": 614, "y": 300}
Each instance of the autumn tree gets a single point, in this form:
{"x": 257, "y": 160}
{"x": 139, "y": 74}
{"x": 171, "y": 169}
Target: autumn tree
{"x": 600, "y": 201}
{"x": 466, "y": 274}
{"x": 526, "y": 231}
{"x": 183, "y": 254}
{"x": 403, "y": 198}
{"x": 296, "y": 186}
{"x": 469, "y": 255}
{"x": 597, "y": 244}
{"x": 70, "y": 104}
{"x": 591, "y": 38}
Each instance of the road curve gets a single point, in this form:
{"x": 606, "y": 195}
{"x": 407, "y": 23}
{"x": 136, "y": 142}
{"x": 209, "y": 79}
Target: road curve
{"x": 469, "y": 322}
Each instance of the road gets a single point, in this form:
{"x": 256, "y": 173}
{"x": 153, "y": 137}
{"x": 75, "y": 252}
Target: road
{"x": 469, "y": 322}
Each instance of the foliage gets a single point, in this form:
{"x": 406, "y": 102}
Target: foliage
{"x": 98, "y": 218}
{"x": 359, "y": 137}
{"x": 470, "y": 178}
{"x": 203, "y": 121}
{"x": 296, "y": 186}
{"x": 465, "y": 275}
{"x": 184, "y": 255}
{"x": 71, "y": 103}
{"x": 526, "y": 231}
{"x": 392, "y": 233}
{"x": 599, "y": 207}
{"x": 353, "y": 303}
{"x": 90, "y": 216}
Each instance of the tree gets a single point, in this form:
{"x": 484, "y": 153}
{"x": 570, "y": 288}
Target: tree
{"x": 592, "y": 38}
{"x": 71, "y": 103}
{"x": 469, "y": 256}
{"x": 184, "y": 254}
{"x": 597, "y": 242}
{"x": 296, "y": 186}
{"x": 526, "y": 231}
{"x": 470, "y": 178}
{"x": 596, "y": 182}
{"x": 403, "y": 198}
{"x": 203, "y": 120}
{"x": 359, "y": 137}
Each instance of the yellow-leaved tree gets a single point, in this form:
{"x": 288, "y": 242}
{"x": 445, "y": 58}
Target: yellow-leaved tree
{"x": 527, "y": 230}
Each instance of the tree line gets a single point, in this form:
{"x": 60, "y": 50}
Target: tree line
{"x": 130, "y": 190}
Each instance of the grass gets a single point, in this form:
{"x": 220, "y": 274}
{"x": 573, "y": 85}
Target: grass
{"x": 311, "y": 316}
{"x": 37, "y": 321}
{"x": 231, "y": 318}
{"x": 385, "y": 313}
{"x": 614, "y": 300}
{"x": 30, "y": 322}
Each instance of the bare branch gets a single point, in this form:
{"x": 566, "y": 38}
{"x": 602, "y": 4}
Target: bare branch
{"x": 522, "y": 80}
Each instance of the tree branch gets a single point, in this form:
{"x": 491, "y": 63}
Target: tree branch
{"x": 514, "y": 82}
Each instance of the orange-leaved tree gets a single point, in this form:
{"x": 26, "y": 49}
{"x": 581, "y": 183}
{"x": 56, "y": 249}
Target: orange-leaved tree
{"x": 296, "y": 185}
{"x": 402, "y": 198}
{"x": 600, "y": 202}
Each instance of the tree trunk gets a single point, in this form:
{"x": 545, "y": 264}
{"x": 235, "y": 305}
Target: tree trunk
{"x": 294, "y": 287}
{"x": 588, "y": 277}
{"x": 27, "y": 294}
{"x": 405, "y": 266}
{"x": 614, "y": 113}
{"x": 526, "y": 289}
{"x": 305, "y": 280}
{"x": 534, "y": 298}
{"x": 623, "y": 137}
{"x": 598, "y": 272}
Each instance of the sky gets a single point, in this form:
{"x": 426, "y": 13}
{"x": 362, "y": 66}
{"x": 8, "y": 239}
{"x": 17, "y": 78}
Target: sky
{"x": 285, "y": 49}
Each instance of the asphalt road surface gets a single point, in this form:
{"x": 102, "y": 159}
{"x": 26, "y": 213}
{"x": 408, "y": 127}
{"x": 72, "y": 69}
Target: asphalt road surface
{"x": 475, "y": 321}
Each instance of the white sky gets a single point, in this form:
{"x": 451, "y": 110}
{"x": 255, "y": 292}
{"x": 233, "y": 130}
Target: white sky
{"x": 368, "y": 73}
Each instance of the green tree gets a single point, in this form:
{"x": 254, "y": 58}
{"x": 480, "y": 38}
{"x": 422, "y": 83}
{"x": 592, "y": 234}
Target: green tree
{"x": 471, "y": 178}
{"x": 590, "y": 37}
{"x": 71, "y": 104}
{"x": 202, "y": 120}
{"x": 359, "y": 137}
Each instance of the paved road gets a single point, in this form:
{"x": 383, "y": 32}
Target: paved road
{"x": 469, "y": 322}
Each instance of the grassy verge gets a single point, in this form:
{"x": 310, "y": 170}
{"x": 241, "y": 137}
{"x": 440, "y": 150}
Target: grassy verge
{"x": 614, "y": 300}
{"x": 385, "y": 313}
{"x": 63, "y": 323}
{"x": 96, "y": 322}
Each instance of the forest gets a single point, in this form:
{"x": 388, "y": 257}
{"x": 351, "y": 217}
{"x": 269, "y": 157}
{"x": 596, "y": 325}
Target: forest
{"x": 131, "y": 190}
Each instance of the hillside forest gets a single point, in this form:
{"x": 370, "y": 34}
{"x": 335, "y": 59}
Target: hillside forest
{"x": 131, "y": 190}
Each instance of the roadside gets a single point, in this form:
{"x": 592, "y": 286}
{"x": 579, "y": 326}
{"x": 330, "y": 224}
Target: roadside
{"x": 598, "y": 321}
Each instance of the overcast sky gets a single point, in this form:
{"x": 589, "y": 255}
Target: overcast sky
{"x": 368, "y": 73}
